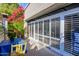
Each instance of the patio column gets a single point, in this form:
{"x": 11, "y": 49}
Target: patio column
{"x": 62, "y": 33}
{"x": 4, "y": 24}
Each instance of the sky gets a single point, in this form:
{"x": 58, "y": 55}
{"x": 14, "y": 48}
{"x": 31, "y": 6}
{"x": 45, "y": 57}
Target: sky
{"x": 24, "y": 5}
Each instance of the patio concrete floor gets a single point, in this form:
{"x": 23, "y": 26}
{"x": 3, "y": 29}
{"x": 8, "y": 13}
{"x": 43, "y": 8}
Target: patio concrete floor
{"x": 36, "y": 49}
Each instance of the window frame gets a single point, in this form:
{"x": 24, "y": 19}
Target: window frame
{"x": 54, "y": 20}
{"x": 61, "y": 15}
{"x": 47, "y": 26}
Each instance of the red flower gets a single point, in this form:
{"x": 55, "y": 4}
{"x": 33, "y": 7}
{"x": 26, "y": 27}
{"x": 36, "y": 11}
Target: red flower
{"x": 15, "y": 14}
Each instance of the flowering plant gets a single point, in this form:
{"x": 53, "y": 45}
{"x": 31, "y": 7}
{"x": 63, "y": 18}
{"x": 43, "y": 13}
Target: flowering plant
{"x": 16, "y": 22}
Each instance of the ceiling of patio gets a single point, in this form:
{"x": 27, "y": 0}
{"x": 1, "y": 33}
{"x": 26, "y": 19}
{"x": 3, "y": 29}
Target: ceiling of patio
{"x": 37, "y": 9}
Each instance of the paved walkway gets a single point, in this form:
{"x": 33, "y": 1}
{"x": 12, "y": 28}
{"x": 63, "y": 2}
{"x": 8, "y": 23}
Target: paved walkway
{"x": 38, "y": 50}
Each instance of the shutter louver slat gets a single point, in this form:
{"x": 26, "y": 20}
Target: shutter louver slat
{"x": 71, "y": 24}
